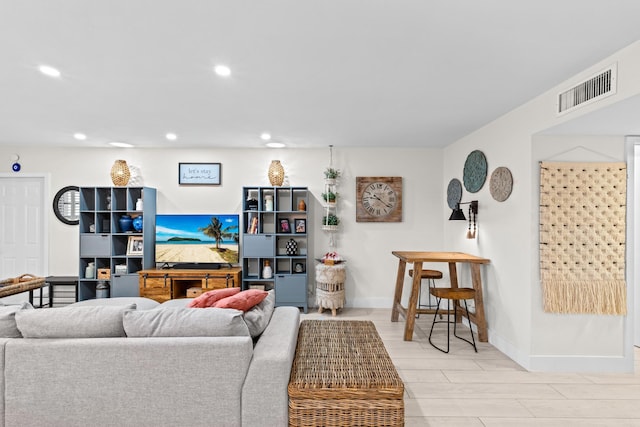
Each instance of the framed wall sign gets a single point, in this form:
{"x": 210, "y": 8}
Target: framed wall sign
{"x": 199, "y": 173}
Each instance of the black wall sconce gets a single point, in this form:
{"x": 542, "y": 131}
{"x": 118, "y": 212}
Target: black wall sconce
{"x": 458, "y": 215}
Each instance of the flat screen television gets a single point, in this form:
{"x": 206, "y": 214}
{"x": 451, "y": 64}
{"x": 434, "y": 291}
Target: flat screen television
{"x": 197, "y": 240}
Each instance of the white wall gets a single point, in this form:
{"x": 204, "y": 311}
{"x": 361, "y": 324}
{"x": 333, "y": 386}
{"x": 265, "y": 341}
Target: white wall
{"x": 366, "y": 246}
{"x": 509, "y": 233}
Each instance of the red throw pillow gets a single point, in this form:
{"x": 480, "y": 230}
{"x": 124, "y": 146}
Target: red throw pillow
{"x": 244, "y": 300}
{"x": 208, "y": 299}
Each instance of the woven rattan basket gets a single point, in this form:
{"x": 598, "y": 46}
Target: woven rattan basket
{"x": 19, "y": 284}
{"x": 343, "y": 376}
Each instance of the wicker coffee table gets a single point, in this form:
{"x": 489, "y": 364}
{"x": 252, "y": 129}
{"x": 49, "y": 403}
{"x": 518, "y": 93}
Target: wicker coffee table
{"x": 343, "y": 376}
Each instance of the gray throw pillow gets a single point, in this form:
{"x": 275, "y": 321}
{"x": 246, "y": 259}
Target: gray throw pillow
{"x": 259, "y": 316}
{"x": 8, "y": 327}
{"x": 73, "y": 322}
{"x": 185, "y": 322}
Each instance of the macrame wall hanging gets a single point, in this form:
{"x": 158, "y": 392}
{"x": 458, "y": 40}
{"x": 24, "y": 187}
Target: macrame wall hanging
{"x": 582, "y": 237}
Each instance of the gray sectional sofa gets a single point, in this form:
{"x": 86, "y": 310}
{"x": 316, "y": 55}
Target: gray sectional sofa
{"x": 105, "y": 363}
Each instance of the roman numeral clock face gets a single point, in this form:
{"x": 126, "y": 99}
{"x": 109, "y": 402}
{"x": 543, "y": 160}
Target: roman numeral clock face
{"x": 379, "y": 199}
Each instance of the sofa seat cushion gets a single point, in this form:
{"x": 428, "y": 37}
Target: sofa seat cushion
{"x": 185, "y": 322}
{"x": 73, "y": 322}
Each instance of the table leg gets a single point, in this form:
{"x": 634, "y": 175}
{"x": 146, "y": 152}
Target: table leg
{"x": 478, "y": 317}
{"x": 413, "y": 301}
{"x": 397, "y": 296}
{"x": 453, "y": 275}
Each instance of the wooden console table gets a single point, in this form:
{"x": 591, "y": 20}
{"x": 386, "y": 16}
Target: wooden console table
{"x": 164, "y": 284}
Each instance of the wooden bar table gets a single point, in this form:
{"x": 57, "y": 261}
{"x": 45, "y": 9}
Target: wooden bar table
{"x": 452, "y": 258}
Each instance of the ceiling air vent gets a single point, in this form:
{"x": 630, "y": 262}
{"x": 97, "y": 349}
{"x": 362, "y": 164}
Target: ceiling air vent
{"x": 599, "y": 86}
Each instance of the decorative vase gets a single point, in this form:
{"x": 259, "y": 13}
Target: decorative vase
{"x": 302, "y": 206}
{"x": 292, "y": 247}
{"x": 139, "y": 205}
{"x": 120, "y": 173}
{"x": 126, "y": 223}
{"x": 102, "y": 289}
{"x": 90, "y": 271}
{"x": 267, "y": 272}
{"x": 268, "y": 202}
{"x": 137, "y": 223}
{"x": 276, "y": 173}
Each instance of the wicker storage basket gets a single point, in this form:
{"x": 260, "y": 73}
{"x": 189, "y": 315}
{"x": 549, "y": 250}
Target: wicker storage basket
{"x": 19, "y": 284}
{"x": 342, "y": 376}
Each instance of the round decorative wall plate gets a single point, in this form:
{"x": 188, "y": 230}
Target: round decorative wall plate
{"x": 454, "y": 193}
{"x": 501, "y": 184}
{"x": 475, "y": 171}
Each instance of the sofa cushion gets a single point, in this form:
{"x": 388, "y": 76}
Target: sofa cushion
{"x": 73, "y": 322}
{"x": 244, "y": 300}
{"x": 185, "y": 322}
{"x": 8, "y": 327}
{"x": 209, "y": 298}
{"x": 175, "y": 303}
{"x": 141, "y": 303}
{"x": 258, "y": 317}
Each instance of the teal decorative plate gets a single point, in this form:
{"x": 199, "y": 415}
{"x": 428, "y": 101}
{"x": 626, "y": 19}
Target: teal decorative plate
{"x": 475, "y": 171}
{"x": 454, "y": 193}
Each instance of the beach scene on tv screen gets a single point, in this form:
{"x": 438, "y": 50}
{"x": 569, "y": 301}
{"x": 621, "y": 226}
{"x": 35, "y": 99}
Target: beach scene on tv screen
{"x": 197, "y": 238}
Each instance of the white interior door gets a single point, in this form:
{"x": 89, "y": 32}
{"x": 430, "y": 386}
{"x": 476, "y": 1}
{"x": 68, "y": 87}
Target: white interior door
{"x": 22, "y": 226}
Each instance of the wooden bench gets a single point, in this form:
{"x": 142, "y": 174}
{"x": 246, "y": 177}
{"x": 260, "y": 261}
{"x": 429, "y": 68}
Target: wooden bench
{"x": 343, "y": 376}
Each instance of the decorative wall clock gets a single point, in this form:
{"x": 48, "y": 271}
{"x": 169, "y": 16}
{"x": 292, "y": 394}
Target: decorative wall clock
{"x": 475, "y": 171}
{"x": 378, "y": 199}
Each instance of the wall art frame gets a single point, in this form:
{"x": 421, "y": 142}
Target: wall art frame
{"x": 199, "y": 173}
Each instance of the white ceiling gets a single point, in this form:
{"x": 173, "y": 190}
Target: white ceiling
{"x": 355, "y": 73}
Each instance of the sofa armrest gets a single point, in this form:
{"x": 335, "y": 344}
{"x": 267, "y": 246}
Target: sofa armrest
{"x": 264, "y": 394}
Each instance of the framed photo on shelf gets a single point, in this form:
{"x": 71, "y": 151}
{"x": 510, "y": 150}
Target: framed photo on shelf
{"x": 199, "y": 173}
{"x": 285, "y": 227}
{"x": 135, "y": 245}
{"x": 301, "y": 225}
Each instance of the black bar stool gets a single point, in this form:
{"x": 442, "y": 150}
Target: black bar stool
{"x": 455, "y": 295}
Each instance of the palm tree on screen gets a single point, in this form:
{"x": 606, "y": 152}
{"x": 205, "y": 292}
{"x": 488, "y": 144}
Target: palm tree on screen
{"x": 213, "y": 230}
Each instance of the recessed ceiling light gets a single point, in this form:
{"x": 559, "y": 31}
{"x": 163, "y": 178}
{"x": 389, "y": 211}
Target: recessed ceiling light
{"x": 171, "y": 136}
{"x": 265, "y": 136}
{"x": 80, "y": 136}
{"x": 222, "y": 70}
{"x": 48, "y": 70}
{"x": 120, "y": 144}
{"x": 275, "y": 145}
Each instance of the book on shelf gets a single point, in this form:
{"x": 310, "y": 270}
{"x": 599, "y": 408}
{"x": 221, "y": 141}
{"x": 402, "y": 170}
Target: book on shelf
{"x": 253, "y": 226}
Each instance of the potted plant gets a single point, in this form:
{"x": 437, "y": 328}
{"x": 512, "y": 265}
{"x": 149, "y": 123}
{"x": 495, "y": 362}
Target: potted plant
{"x": 330, "y": 175}
{"x": 330, "y": 222}
{"x": 329, "y": 196}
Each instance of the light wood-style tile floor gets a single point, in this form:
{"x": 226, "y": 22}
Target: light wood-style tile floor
{"x": 469, "y": 389}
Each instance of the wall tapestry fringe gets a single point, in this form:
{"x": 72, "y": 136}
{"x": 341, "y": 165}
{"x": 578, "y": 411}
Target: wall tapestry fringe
{"x": 582, "y": 237}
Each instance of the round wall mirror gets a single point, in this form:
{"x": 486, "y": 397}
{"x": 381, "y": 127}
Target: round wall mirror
{"x": 66, "y": 205}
